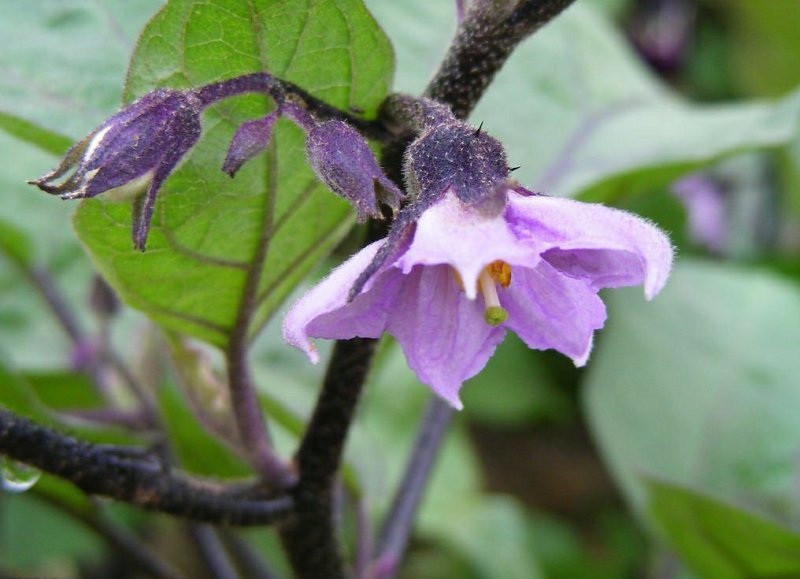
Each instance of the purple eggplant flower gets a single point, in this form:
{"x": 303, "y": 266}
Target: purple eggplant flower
{"x": 464, "y": 276}
{"x": 343, "y": 161}
{"x": 132, "y": 152}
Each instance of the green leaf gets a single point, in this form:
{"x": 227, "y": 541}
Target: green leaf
{"x": 579, "y": 112}
{"x": 63, "y": 65}
{"x": 491, "y": 534}
{"x": 198, "y": 451}
{"x": 515, "y": 388}
{"x": 63, "y": 62}
{"x": 15, "y": 245}
{"x": 63, "y": 390}
{"x": 766, "y": 45}
{"x": 719, "y": 540}
{"x": 274, "y": 220}
{"x": 35, "y": 534}
{"x": 700, "y": 386}
{"x": 29, "y": 132}
{"x": 15, "y": 395}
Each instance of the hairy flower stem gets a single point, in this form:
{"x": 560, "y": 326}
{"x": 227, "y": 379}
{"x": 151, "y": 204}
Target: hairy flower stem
{"x": 309, "y": 535}
{"x": 134, "y": 476}
{"x": 487, "y": 36}
{"x": 282, "y": 91}
{"x": 397, "y": 527}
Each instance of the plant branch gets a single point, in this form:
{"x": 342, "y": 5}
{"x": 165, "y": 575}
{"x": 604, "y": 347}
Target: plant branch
{"x": 44, "y": 284}
{"x": 486, "y": 38}
{"x": 130, "y": 475}
{"x": 397, "y": 527}
{"x": 282, "y": 90}
{"x": 309, "y": 535}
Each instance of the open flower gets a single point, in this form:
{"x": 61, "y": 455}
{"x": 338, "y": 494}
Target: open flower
{"x": 132, "y": 152}
{"x": 463, "y": 277}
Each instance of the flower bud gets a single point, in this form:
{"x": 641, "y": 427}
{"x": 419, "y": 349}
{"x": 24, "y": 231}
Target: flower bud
{"x": 133, "y": 151}
{"x": 343, "y": 161}
{"x": 250, "y": 139}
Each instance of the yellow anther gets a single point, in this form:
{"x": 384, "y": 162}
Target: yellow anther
{"x": 500, "y": 272}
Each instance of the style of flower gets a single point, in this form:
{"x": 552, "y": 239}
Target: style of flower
{"x": 463, "y": 278}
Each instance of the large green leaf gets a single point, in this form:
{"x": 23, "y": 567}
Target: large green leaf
{"x": 719, "y": 540}
{"x": 209, "y": 231}
{"x": 61, "y": 63}
{"x": 579, "y": 112}
{"x": 700, "y": 386}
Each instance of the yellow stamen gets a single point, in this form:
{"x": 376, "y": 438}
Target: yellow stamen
{"x": 500, "y": 272}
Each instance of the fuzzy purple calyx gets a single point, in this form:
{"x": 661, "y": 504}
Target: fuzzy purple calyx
{"x": 342, "y": 160}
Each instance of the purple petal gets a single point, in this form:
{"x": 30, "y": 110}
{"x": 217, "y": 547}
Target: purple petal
{"x": 453, "y": 233}
{"x": 443, "y": 334}
{"x": 547, "y": 310}
{"x": 323, "y": 312}
{"x": 607, "y": 247}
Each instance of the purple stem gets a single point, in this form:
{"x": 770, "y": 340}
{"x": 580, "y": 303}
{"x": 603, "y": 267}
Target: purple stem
{"x": 212, "y": 552}
{"x": 283, "y": 93}
{"x": 397, "y": 527}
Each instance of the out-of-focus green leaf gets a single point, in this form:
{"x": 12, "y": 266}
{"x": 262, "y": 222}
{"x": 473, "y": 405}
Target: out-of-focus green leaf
{"x": 274, "y": 218}
{"x": 580, "y": 113}
{"x": 16, "y": 396}
{"x": 765, "y": 45}
{"x": 720, "y": 540}
{"x": 15, "y": 244}
{"x": 34, "y": 535}
{"x": 61, "y": 70}
{"x": 63, "y": 62}
{"x": 64, "y": 390}
{"x": 515, "y": 388}
{"x": 198, "y": 451}
{"x": 700, "y": 386}
{"x": 27, "y": 131}
{"x": 491, "y": 534}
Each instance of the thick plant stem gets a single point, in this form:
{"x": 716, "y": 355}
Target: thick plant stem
{"x": 309, "y": 535}
{"x": 132, "y": 475}
{"x": 397, "y": 527}
{"x": 486, "y": 38}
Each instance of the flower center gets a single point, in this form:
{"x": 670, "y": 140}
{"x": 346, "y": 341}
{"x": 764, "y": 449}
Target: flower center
{"x": 494, "y": 273}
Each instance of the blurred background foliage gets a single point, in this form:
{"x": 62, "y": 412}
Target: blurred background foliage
{"x": 675, "y": 453}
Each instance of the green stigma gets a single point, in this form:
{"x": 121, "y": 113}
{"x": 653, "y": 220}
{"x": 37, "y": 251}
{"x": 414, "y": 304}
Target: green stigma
{"x": 495, "y": 315}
